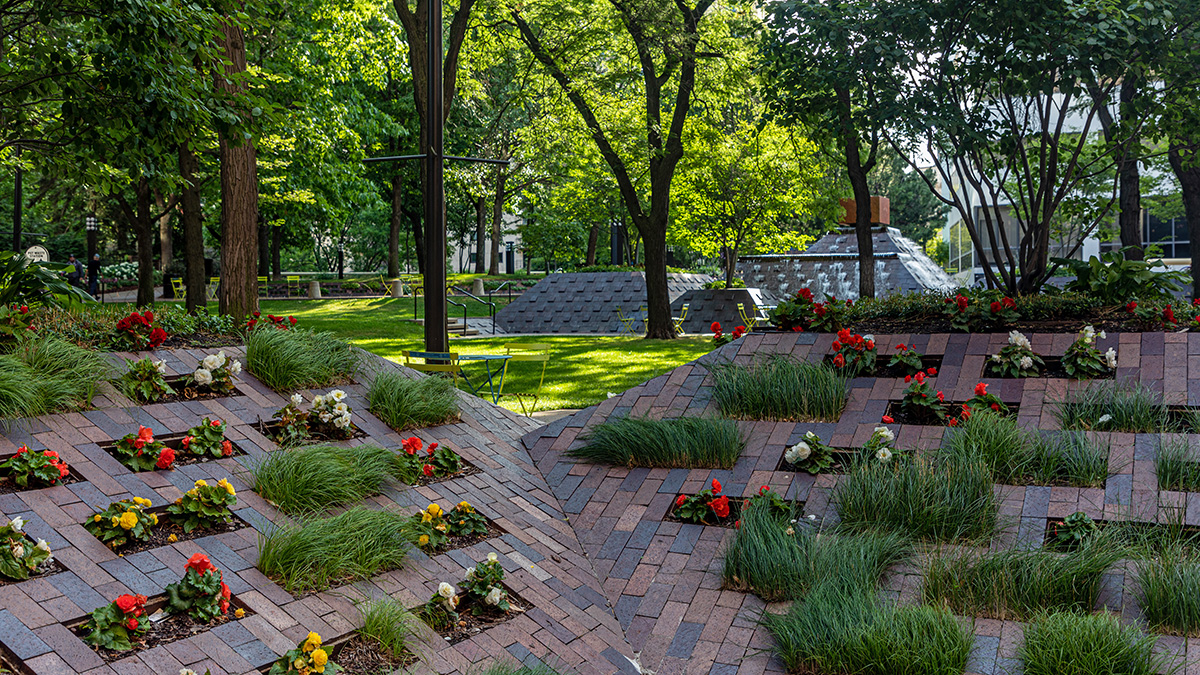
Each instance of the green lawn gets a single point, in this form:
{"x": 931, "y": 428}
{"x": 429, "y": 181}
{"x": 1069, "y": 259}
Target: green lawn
{"x": 582, "y": 370}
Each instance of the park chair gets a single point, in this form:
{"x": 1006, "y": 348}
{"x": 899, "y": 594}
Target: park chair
{"x": 535, "y": 352}
{"x": 448, "y": 363}
{"x": 678, "y": 320}
{"x": 180, "y": 288}
{"x": 293, "y": 284}
{"x": 214, "y": 283}
{"x": 748, "y": 320}
{"x": 263, "y": 290}
{"x": 626, "y": 322}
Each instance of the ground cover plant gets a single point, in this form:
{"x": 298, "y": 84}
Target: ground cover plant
{"x": 778, "y": 387}
{"x": 45, "y": 375}
{"x": 318, "y": 477}
{"x": 1110, "y": 406}
{"x": 1169, "y": 591}
{"x": 1065, "y": 643}
{"x": 1084, "y": 361}
{"x": 1018, "y": 584}
{"x": 315, "y": 553}
{"x": 405, "y": 403}
{"x": 685, "y": 442}
{"x": 1017, "y": 456}
{"x": 291, "y": 359}
{"x": 942, "y": 499}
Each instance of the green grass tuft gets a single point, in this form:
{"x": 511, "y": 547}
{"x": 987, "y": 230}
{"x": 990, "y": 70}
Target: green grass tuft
{"x": 944, "y": 500}
{"x": 317, "y": 553}
{"x": 839, "y": 630}
{"x": 1015, "y": 584}
{"x": 685, "y": 442}
{"x": 47, "y": 375}
{"x": 502, "y": 668}
{"x": 1176, "y": 467}
{"x": 778, "y": 387}
{"x": 389, "y": 624}
{"x": 404, "y": 403}
{"x": 1020, "y": 457}
{"x": 318, "y": 477}
{"x": 1129, "y": 407}
{"x": 290, "y": 359}
{"x": 1169, "y": 591}
{"x": 1089, "y": 644}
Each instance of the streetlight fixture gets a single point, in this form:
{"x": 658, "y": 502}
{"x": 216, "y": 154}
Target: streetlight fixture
{"x": 93, "y": 229}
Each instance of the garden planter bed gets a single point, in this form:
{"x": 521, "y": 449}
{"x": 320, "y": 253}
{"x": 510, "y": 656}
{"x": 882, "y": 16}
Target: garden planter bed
{"x": 175, "y": 442}
{"x": 201, "y": 341}
{"x": 271, "y": 429}
{"x": 1053, "y": 370}
{"x": 173, "y": 627}
{"x": 357, "y": 655}
{"x": 43, "y": 570}
{"x": 453, "y": 543}
{"x": 160, "y": 535}
{"x": 7, "y": 486}
{"x": 896, "y": 411}
{"x": 842, "y": 459}
{"x": 728, "y": 522}
{"x": 898, "y": 371}
{"x": 468, "y": 469}
{"x": 1190, "y": 533}
{"x": 470, "y": 626}
{"x": 190, "y": 394}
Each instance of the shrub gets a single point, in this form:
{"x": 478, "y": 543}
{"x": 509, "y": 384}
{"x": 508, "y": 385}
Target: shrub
{"x": 319, "y": 477}
{"x": 434, "y": 463}
{"x": 706, "y": 507}
{"x": 431, "y": 526}
{"x": 293, "y": 423}
{"x": 686, "y": 442}
{"x": 1090, "y": 644}
{"x": 482, "y": 586}
{"x": 838, "y": 630}
{"x": 140, "y": 452}
{"x": 778, "y": 388}
{"x": 404, "y": 403}
{"x": 144, "y": 381}
{"x": 1017, "y": 584}
{"x": 207, "y": 439}
{"x": 803, "y": 312}
{"x": 909, "y": 358}
{"x": 944, "y": 500}
{"x": 1169, "y": 591}
{"x": 1113, "y": 280}
{"x": 25, "y": 282}
{"x": 1113, "y": 407}
{"x": 811, "y": 454}
{"x": 290, "y": 359}
{"x": 316, "y": 553}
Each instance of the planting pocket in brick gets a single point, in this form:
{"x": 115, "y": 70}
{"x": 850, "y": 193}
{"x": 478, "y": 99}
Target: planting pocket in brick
{"x": 143, "y": 451}
{"x": 33, "y": 470}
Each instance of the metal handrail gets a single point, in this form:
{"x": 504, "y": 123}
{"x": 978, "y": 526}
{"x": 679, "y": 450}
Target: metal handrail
{"x": 491, "y": 293}
{"x": 464, "y": 306}
{"x": 491, "y": 307}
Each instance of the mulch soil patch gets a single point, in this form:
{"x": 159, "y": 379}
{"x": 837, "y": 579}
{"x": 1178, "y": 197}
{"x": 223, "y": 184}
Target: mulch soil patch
{"x": 174, "y": 627}
{"x": 160, "y": 536}
{"x": 469, "y": 626}
{"x": 468, "y": 469}
{"x": 1053, "y": 370}
{"x": 360, "y": 656}
{"x": 735, "y": 514}
{"x": 200, "y": 341}
{"x": 454, "y": 543}
{"x": 183, "y": 393}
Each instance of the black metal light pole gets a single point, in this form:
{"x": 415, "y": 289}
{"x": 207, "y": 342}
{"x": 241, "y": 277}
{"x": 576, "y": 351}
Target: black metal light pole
{"x": 436, "y": 338}
{"x": 18, "y": 204}
{"x": 93, "y": 230}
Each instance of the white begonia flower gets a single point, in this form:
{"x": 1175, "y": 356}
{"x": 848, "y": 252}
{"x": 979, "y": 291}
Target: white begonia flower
{"x": 492, "y": 557}
{"x": 470, "y": 572}
{"x": 1026, "y": 363}
{"x": 317, "y": 400}
{"x": 297, "y": 400}
{"x": 235, "y": 367}
{"x": 213, "y": 361}
{"x": 41, "y": 543}
{"x": 611, "y": 395}
{"x": 186, "y": 671}
{"x": 883, "y": 454}
{"x": 811, "y": 516}
{"x": 452, "y": 602}
{"x": 341, "y": 408}
{"x": 446, "y": 590}
{"x": 325, "y": 417}
{"x": 17, "y": 524}
{"x": 885, "y": 433}
{"x": 18, "y": 551}
{"x": 996, "y": 358}
{"x": 811, "y": 436}
{"x": 337, "y": 395}
{"x": 341, "y": 422}
{"x": 1015, "y": 338}
{"x": 1111, "y": 357}
{"x": 161, "y": 367}
{"x": 494, "y": 596}
{"x": 1103, "y": 419}
{"x": 202, "y": 376}
{"x": 798, "y": 453}
{"x": 1103, "y": 335}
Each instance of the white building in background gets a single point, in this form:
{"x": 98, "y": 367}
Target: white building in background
{"x": 512, "y": 257}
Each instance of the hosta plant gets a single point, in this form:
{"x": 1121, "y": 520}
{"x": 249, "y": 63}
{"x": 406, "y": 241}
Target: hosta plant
{"x": 430, "y": 462}
{"x": 483, "y": 586}
{"x": 907, "y": 357}
{"x": 330, "y": 415}
{"x": 201, "y": 593}
{"x": 140, "y": 452}
{"x": 123, "y": 522}
{"x": 207, "y": 439}
{"x": 19, "y": 558}
{"x": 144, "y": 381}
{"x": 35, "y": 469}
{"x": 854, "y": 354}
{"x": 810, "y": 454}
{"x": 441, "y": 610}
{"x": 706, "y": 507}
{"x": 1016, "y": 359}
{"x": 307, "y": 658}
{"x": 1083, "y": 360}
{"x": 118, "y": 624}
{"x": 137, "y": 332}
{"x": 215, "y": 373}
{"x": 204, "y": 506}
{"x": 293, "y": 423}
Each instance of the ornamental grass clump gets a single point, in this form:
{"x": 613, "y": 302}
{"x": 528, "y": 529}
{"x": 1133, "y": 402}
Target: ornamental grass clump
{"x": 49, "y": 375}
{"x": 316, "y": 553}
{"x": 943, "y": 499}
{"x": 1177, "y": 466}
{"x": 1113, "y": 407}
{"x": 1017, "y": 457}
{"x": 1169, "y": 591}
{"x": 841, "y": 630}
{"x": 319, "y": 477}
{"x": 291, "y": 359}
{"x": 405, "y": 403}
{"x": 778, "y": 387}
{"x": 387, "y": 623}
{"x": 1065, "y": 643}
{"x": 685, "y": 442}
{"x": 1018, "y": 584}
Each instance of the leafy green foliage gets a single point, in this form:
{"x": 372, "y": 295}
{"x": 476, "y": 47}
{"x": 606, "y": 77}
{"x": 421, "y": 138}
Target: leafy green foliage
{"x": 30, "y": 469}
{"x": 685, "y": 442}
{"x": 122, "y": 522}
{"x": 116, "y": 625}
{"x": 201, "y": 594}
{"x": 1114, "y": 280}
{"x": 1075, "y": 529}
{"x": 289, "y": 359}
{"x": 1169, "y": 591}
{"x": 706, "y": 507}
{"x": 1131, "y": 407}
{"x": 144, "y": 381}
{"x": 779, "y": 387}
{"x": 1082, "y": 360}
{"x": 24, "y": 282}
{"x": 207, "y": 439}
{"x": 404, "y": 403}
{"x": 204, "y": 506}
{"x": 18, "y": 556}
{"x": 140, "y": 452}
{"x": 483, "y": 587}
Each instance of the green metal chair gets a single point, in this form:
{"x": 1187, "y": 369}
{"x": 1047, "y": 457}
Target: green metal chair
{"x": 532, "y": 352}
{"x": 293, "y": 284}
{"x": 180, "y": 288}
{"x": 210, "y": 291}
{"x": 263, "y": 290}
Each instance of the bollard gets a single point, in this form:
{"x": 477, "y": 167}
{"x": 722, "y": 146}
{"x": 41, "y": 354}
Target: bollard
{"x": 477, "y": 288}
{"x": 397, "y": 288}
{"x": 314, "y": 289}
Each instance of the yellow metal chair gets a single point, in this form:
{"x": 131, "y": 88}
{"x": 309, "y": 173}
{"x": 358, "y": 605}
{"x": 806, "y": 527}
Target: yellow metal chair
{"x": 626, "y": 322}
{"x": 180, "y": 288}
{"x": 263, "y": 291}
{"x": 748, "y": 320}
{"x": 678, "y": 320}
{"x": 210, "y": 291}
{"x": 449, "y": 363}
{"x": 535, "y": 352}
{"x": 293, "y": 284}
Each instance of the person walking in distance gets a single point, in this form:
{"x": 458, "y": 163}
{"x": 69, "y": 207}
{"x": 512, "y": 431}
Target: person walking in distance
{"x": 94, "y": 274}
{"x": 75, "y": 276}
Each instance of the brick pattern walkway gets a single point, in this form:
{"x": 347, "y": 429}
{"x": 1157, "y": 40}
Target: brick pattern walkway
{"x": 663, "y": 578}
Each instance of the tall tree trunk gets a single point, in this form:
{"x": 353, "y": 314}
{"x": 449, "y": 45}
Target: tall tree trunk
{"x": 1130, "y": 199}
{"x": 239, "y": 198}
{"x": 276, "y": 244}
{"x": 138, "y": 215}
{"x": 593, "y": 241}
{"x": 193, "y": 230}
{"x": 857, "y": 170}
{"x": 1184, "y": 156}
{"x": 730, "y": 265}
{"x": 480, "y": 233}
{"x": 397, "y": 221}
{"x": 165, "y": 249}
{"x": 498, "y": 217}
{"x": 264, "y": 247}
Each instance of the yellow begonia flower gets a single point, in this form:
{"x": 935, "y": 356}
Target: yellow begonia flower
{"x": 434, "y": 510}
{"x": 298, "y": 664}
{"x": 319, "y": 658}
{"x": 141, "y": 501}
{"x": 225, "y": 484}
{"x": 171, "y": 539}
{"x": 425, "y": 517}
{"x": 129, "y": 520}
{"x": 96, "y": 518}
{"x": 441, "y": 527}
{"x": 464, "y": 505}
{"x": 201, "y": 483}
{"x": 312, "y": 642}
{"x": 423, "y": 540}
{"x": 116, "y": 521}
{"x": 239, "y": 613}
{"x": 153, "y": 519}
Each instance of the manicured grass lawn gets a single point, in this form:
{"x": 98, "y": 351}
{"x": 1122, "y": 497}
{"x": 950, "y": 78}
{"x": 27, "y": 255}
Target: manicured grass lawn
{"x": 582, "y": 369}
